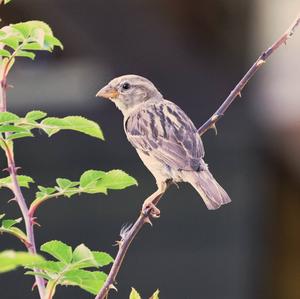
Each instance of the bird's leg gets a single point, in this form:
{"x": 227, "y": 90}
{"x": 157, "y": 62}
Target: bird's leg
{"x": 152, "y": 200}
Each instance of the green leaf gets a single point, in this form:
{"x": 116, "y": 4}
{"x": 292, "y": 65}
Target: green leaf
{"x": 10, "y": 260}
{"x": 89, "y": 177}
{"x": 52, "y": 125}
{"x": 23, "y": 181}
{"x": 155, "y": 295}
{"x": 40, "y": 274}
{"x": 28, "y": 54}
{"x": 117, "y": 179}
{"x": 65, "y": 183}
{"x": 8, "y": 223}
{"x": 35, "y": 115}
{"x": 50, "y": 266}
{"x": 11, "y": 128}
{"x": 90, "y": 281}
{"x": 4, "y": 53}
{"x": 134, "y": 294}
{"x": 83, "y": 257}
{"x": 102, "y": 258}
{"x": 7, "y": 117}
{"x": 11, "y": 41}
{"x": 6, "y": 1}
{"x": 19, "y": 135}
{"x": 59, "y": 250}
{"x": 33, "y": 46}
{"x": 52, "y": 41}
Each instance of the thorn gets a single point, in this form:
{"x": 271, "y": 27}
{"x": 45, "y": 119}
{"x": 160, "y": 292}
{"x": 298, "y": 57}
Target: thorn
{"x": 147, "y": 220}
{"x": 214, "y": 127}
{"x": 6, "y": 169}
{"x": 111, "y": 286}
{"x": 33, "y": 222}
{"x": 33, "y": 286}
{"x": 240, "y": 94}
{"x": 11, "y": 200}
{"x": 10, "y": 86}
{"x": 118, "y": 243}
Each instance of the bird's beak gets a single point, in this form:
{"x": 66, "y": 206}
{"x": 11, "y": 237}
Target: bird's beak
{"x": 108, "y": 92}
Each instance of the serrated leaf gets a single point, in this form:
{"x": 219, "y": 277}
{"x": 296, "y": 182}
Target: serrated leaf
{"x": 11, "y": 128}
{"x": 4, "y": 53}
{"x": 102, "y": 258}
{"x": 134, "y": 294}
{"x": 19, "y": 135}
{"x": 89, "y": 177}
{"x": 33, "y": 46}
{"x": 117, "y": 179}
{"x": 155, "y": 295}
{"x": 52, "y": 125}
{"x": 59, "y": 250}
{"x": 11, "y": 41}
{"x": 8, "y": 223}
{"x": 23, "y": 181}
{"x": 50, "y": 266}
{"x": 10, "y": 260}
{"x": 47, "y": 190}
{"x": 52, "y": 41}
{"x": 6, "y": 117}
{"x": 65, "y": 183}
{"x": 40, "y": 274}
{"x": 28, "y": 54}
{"x": 35, "y": 115}
{"x": 90, "y": 281}
{"x": 83, "y": 257}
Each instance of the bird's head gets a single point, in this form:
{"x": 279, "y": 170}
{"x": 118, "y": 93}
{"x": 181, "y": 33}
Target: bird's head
{"x": 129, "y": 91}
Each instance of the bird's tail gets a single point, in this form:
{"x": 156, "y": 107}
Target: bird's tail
{"x": 211, "y": 192}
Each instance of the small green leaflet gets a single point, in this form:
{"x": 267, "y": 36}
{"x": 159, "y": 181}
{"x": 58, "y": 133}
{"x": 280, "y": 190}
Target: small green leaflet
{"x": 59, "y": 250}
{"x": 91, "y": 182}
{"x": 8, "y": 226}
{"x": 71, "y": 267}
{"x": 135, "y": 295}
{"x": 52, "y": 125}
{"x": 35, "y": 115}
{"x": 8, "y": 117}
{"x": 10, "y": 260}
{"x": 23, "y": 181}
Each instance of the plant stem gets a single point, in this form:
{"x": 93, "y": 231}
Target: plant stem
{"x": 130, "y": 235}
{"x": 210, "y": 123}
{"x": 17, "y": 190}
{"x": 123, "y": 247}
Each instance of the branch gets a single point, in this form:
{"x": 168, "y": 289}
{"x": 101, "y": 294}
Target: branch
{"x": 144, "y": 218}
{"x": 211, "y": 122}
{"x": 127, "y": 237}
{"x": 17, "y": 190}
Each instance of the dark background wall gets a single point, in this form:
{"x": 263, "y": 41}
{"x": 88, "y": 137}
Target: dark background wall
{"x": 195, "y": 52}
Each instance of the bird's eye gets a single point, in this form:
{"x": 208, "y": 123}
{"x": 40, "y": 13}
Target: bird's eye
{"x": 126, "y": 86}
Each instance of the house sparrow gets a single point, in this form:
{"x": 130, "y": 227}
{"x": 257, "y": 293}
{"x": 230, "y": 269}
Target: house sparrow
{"x": 165, "y": 139}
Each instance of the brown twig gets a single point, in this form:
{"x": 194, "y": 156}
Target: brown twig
{"x": 129, "y": 236}
{"x": 210, "y": 123}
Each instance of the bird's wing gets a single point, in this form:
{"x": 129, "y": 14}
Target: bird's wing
{"x": 161, "y": 129}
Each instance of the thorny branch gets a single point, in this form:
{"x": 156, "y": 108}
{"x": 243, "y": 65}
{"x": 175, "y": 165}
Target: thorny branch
{"x": 210, "y": 123}
{"x": 12, "y": 169}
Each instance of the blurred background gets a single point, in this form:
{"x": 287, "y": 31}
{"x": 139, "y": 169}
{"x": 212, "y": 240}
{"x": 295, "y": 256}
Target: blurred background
{"x": 195, "y": 52}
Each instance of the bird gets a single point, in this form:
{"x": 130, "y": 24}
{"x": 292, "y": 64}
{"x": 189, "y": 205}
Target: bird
{"x": 165, "y": 139}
